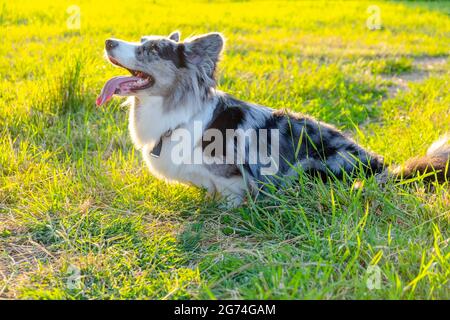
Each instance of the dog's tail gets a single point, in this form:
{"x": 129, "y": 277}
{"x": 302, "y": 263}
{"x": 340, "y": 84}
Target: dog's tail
{"x": 437, "y": 161}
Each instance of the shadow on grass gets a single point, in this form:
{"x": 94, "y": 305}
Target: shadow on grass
{"x": 312, "y": 240}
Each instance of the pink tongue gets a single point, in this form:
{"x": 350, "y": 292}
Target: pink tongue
{"x": 111, "y": 87}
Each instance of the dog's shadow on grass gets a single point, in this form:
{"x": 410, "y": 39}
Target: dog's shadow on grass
{"x": 201, "y": 225}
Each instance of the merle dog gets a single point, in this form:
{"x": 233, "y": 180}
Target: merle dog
{"x": 238, "y": 147}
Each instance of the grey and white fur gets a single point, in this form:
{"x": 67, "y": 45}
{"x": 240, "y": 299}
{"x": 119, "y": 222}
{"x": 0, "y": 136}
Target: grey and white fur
{"x": 184, "y": 90}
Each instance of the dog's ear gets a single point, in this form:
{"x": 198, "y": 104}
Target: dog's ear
{"x": 205, "y": 50}
{"x": 175, "y": 36}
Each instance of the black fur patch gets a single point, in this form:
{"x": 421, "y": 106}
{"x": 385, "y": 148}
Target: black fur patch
{"x": 315, "y": 173}
{"x": 228, "y": 118}
{"x": 319, "y": 149}
{"x": 174, "y": 53}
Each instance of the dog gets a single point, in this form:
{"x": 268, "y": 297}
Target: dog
{"x": 173, "y": 94}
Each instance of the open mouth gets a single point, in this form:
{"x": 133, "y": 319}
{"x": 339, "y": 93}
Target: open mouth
{"x": 124, "y": 85}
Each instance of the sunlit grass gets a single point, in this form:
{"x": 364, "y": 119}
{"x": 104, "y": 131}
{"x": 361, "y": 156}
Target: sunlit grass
{"x": 75, "y": 194}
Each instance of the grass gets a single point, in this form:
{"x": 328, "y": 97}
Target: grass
{"x": 76, "y": 202}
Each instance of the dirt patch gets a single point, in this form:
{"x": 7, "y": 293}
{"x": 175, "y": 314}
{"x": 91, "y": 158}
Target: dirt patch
{"x": 18, "y": 258}
{"x": 424, "y": 67}
{"x": 431, "y": 63}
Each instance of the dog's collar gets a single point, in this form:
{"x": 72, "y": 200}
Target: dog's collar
{"x": 156, "y": 151}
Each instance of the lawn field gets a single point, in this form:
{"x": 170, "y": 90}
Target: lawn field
{"x": 82, "y": 218}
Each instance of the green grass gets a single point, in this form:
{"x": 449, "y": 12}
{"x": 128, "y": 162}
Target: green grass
{"x": 74, "y": 194}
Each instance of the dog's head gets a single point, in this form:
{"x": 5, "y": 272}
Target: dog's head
{"x": 159, "y": 64}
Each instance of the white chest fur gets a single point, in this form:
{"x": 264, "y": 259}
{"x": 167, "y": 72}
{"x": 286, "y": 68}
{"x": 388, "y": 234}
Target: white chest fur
{"x": 149, "y": 121}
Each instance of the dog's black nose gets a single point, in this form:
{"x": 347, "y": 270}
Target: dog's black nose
{"x": 111, "y": 44}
